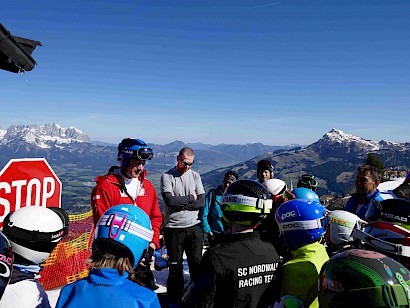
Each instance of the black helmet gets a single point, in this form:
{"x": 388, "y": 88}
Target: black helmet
{"x": 396, "y": 211}
{"x": 265, "y": 165}
{"x": 308, "y": 181}
{"x": 245, "y": 202}
{"x": 363, "y": 277}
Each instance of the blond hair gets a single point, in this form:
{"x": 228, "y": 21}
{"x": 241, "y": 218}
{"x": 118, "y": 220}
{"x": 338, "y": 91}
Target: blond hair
{"x": 106, "y": 260}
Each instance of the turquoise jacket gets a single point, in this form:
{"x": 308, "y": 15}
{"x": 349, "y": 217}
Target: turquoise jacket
{"x": 301, "y": 273}
{"x": 211, "y": 214}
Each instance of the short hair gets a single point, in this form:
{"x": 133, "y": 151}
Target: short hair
{"x": 187, "y": 151}
{"x": 375, "y": 174}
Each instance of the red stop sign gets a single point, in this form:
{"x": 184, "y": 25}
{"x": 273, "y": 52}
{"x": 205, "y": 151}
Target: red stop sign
{"x": 28, "y": 182}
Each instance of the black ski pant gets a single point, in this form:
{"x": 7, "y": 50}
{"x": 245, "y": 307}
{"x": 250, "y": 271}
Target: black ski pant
{"x": 178, "y": 240}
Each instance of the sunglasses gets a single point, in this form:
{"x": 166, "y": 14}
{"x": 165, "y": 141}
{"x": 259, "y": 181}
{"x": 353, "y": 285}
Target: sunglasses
{"x": 144, "y": 153}
{"x": 185, "y": 163}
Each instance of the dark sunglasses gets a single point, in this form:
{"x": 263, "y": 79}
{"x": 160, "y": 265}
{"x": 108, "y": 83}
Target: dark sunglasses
{"x": 184, "y": 162}
{"x": 144, "y": 154}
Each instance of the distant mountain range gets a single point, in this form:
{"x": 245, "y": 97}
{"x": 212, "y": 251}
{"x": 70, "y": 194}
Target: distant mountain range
{"x": 77, "y": 160}
{"x": 333, "y": 159}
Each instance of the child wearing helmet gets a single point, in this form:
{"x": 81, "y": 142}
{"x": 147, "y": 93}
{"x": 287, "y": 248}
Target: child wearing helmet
{"x": 302, "y": 223}
{"x": 240, "y": 270}
{"x": 33, "y": 232}
{"x": 122, "y": 234}
{"x": 269, "y": 228}
{"x": 211, "y": 214}
{"x": 363, "y": 278}
{"x": 264, "y": 170}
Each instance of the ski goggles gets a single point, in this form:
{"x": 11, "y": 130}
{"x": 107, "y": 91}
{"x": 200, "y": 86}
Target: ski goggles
{"x": 308, "y": 180}
{"x": 144, "y": 154}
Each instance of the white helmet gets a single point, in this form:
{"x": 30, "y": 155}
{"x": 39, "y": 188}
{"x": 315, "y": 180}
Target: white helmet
{"x": 341, "y": 226}
{"x": 276, "y": 187}
{"x": 34, "y": 231}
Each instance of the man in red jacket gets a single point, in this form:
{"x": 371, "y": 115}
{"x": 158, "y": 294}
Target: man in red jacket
{"x": 128, "y": 184}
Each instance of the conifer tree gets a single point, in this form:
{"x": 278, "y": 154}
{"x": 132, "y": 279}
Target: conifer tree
{"x": 376, "y": 162}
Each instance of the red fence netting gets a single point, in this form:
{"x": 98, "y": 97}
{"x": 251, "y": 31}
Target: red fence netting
{"x": 66, "y": 263}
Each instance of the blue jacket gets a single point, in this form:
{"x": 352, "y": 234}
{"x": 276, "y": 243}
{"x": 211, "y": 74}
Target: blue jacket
{"x": 211, "y": 214}
{"x": 353, "y": 203}
{"x": 106, "y": 289}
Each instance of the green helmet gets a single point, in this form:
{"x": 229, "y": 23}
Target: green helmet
{"x": 363, "y": 277}
{"x": 245, "y": 202}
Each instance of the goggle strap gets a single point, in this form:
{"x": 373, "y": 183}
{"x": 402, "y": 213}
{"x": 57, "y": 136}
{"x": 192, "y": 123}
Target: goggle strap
{"x": 301, "y": 225}
{"x": 263, "y": 204}
{"x": 369, "y": 239}
{"x": 34, "y": 235}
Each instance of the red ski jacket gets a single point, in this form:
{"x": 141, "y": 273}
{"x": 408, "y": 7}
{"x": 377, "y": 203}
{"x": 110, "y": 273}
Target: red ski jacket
{"x": 110, "y": 191}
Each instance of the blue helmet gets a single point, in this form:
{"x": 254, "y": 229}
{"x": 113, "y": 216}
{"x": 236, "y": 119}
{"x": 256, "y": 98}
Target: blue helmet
{"x": 301, "y": 222}
{"x": 130, "y": 148}
{"x": 123, "y": 229}
{"x": 305, "y": 193}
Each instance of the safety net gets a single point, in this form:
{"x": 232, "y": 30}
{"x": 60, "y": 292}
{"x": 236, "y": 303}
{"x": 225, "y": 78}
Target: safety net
{"x": 66, "y": 263}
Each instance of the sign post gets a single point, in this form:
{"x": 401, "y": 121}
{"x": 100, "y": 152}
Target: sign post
{"x": 28, "y": 182}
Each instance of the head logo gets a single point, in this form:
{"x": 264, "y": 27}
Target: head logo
{"x": 394, "y": 217}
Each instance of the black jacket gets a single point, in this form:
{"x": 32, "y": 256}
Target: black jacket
{"x": 237, "y": 273}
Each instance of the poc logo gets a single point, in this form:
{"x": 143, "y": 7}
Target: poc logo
{"x": 290, "y": 225}
{"x": 288, "y": 214}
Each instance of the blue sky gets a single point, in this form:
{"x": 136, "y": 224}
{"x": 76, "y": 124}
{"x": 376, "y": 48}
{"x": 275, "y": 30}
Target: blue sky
{"x": 212, "y": 71}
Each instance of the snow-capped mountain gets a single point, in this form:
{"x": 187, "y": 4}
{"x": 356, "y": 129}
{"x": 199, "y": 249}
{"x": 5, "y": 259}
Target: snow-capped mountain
{"x": 336, "y": 143}
{"x": 43, "y": 136}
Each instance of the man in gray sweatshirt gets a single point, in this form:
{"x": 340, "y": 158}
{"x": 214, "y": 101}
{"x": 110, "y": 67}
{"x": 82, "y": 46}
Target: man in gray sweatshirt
{"x": 184, "y": 195}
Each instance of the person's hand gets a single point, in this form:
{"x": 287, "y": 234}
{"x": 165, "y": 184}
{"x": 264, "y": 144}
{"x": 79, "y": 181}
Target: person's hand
{"x": 195, "y": 196}
{"x": 211, "y": 234}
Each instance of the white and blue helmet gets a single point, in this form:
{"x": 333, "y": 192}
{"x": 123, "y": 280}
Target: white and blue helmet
{"x": 123, "y": 230}
{"x": 301, "y": 222}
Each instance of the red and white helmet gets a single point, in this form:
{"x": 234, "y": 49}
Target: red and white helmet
{"x": 388, "y": 238}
